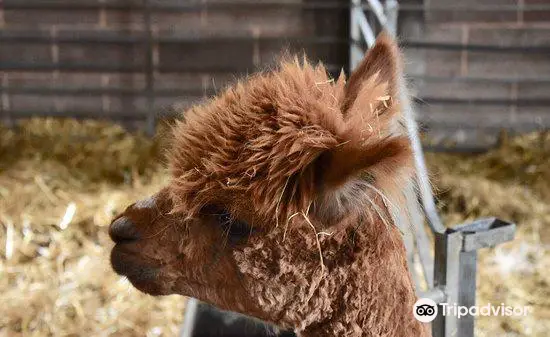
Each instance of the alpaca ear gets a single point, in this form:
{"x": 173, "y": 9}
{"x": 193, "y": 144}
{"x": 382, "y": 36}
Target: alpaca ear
{"x": 372, "y": 140}
{"x": 382, "y": 64}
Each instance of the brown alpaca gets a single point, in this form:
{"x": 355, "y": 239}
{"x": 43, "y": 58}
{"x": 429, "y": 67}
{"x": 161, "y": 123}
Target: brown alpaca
{"x": 283, "y": 202}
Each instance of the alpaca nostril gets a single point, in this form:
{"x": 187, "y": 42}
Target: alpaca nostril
{"x": 123, "y": 229}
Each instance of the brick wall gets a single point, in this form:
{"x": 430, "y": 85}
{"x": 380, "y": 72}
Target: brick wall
{"x": 92, "y": 57}
{"x": 500, "y": 78}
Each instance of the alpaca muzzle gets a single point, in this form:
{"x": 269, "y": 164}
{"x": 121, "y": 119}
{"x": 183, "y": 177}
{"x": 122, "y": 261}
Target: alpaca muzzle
{"x": 126, "y": 259}
{"x": 143, "y": 277}
{"x": 123, "y": 230}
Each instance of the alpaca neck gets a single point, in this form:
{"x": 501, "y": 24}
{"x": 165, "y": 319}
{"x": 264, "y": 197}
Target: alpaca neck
{"x": 376, "y": 296}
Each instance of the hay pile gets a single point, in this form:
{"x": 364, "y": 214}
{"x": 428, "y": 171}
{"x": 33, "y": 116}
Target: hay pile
{"x": 62, "y": 181}
{"x": 60, "y": 184}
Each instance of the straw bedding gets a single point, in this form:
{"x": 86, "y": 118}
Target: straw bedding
{"x": 513, "y": 183}
{"x": 62, "y": 181}
{"x": 60, "y": 184}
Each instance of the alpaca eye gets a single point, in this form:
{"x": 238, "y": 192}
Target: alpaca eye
{"x": 223, "y": 217}
{"x": 238, "y": 229}
{"x": 234, "y": 229}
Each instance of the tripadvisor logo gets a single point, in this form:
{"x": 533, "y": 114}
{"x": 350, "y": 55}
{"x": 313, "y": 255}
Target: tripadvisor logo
{"x": 485, "y": 310}
{"x": 425, "y": 310}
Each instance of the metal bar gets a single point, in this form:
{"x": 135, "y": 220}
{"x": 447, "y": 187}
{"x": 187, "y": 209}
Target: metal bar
{"x": 411, "y": 261}
{"x": 435, "y": 294}
{"x": 378, "y": 10}
{"x": 409, "y": 221}
{"x": 424, "y": 186}
{"x": 418, "y": 278}
{"x": 490, "y": 232}
{"x": 404, "y": 224}
{"x": 480, "y": 225}
{"x": 423, "y": 247}
{"x": 392, "y": 10}
{"x": 447, "y": 276}
{"x": 361, "y": 21}
{"x": 355, "y": 51}
{"x": 467, "y": 291}
{"x": 422, "y": 242}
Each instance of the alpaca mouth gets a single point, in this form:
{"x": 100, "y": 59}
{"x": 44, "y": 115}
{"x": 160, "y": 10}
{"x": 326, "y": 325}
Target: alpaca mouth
{"x": 142, "y": 276}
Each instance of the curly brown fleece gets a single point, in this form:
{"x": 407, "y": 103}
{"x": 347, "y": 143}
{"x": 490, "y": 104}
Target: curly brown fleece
{"x": 313, "y": 169}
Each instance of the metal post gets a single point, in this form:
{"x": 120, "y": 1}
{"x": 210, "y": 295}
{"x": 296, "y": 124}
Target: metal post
{"x": 456, "y": 273}
{"x": 456, "y": 269}
{"x": 476, "y": 235}
{"x": 467, "y": 291}
{"x": 378, "y": 10}
{"x": 149, "y": 71}
{"x": 447, "y": 277}
{"x": 355, "y": 52}
{"x": 425, "y": 189}
{"x": 392, "y": 11}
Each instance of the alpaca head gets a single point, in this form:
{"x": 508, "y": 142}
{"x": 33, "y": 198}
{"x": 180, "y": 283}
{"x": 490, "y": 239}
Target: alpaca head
{"x": 282, "y": 195}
